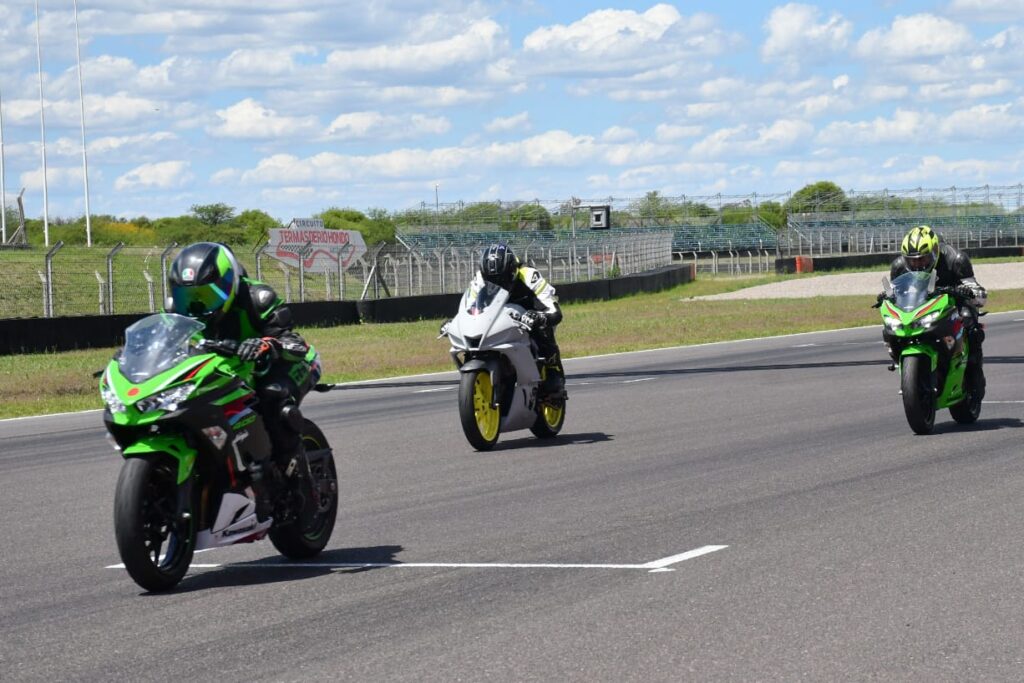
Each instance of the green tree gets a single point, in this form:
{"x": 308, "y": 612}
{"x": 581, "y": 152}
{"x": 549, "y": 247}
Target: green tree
{"x": 213, "y": 214}
{"x": 820, "y": 197}
{"x": 528, "y": 217}
{"x": 373, "y": 230}
{"x": 253, "y": 225}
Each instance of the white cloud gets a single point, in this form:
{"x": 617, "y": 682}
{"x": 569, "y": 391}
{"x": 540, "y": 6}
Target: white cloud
{"x": 617, "y": 134}
{"x": 914, "y": 37}
{"x": 667, "y": 132}
{"x": 884, "y": 93}
{"x": 520, "y": 121}
{"x": 745, "y": 140}
{"x": 373, "y": 124}
{"x": 249, "y": 119}
{"x": 482, "y": 41}
{"x": 164, "y": 175}
{"x": 966, "y": 91}
{"x": 796, "y": 34}
{"x": 905, "y": 126}
{"x": 623, "y": 42}
{"x": 57, "y": 177}
{"x": 988, "y": 10}
{"x": 840, "y": 82}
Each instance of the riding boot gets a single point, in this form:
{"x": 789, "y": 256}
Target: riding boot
{"x": 554, "y": 376}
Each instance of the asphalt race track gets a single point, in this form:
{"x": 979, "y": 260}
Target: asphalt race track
{"x": 853, "y": 549}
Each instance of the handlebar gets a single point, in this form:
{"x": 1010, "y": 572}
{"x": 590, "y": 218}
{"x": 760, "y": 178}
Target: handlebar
{"x": 222, "y": 347}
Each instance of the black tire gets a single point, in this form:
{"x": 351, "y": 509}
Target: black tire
{"x": 292, "y": 539}
{"x": 550, "y": 418}
{"x": 145, "y": 504}
{"x": 480, "y": 423}
{"x": 968, "y": 410}
{"x": 918, "y": 395}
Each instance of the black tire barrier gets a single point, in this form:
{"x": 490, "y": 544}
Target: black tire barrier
{"x": 38, "y": 335}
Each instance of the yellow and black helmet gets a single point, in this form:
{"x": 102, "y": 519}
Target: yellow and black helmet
{"x": 920, "y": 248}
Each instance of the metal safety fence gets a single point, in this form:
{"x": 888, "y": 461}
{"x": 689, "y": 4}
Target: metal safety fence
{"x": 73, "y": 280}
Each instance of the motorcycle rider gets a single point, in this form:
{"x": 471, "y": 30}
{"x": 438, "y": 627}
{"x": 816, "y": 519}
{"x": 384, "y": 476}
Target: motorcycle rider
{"x": 208, "y": 284}
{"x": 527, "y": 288}
{"x": 923, "y": 250}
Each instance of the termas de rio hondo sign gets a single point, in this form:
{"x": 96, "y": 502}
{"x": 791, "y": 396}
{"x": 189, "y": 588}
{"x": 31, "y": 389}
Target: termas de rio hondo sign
{"x": 318, "y": 248}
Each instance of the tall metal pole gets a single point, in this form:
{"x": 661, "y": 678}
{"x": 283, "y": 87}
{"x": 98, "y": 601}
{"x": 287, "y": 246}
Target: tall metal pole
{"x": 85, "y": 159}
{"x": 3, "y": 192}
{"x": 42, "y": 132}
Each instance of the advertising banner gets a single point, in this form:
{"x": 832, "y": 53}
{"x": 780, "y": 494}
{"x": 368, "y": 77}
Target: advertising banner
{"x": 306, "y": 240}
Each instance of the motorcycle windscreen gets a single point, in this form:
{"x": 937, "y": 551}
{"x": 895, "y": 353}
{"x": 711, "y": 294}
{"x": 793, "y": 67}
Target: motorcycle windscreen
{"x": 479, "y": 299}
{"x": 911, "y": 289}
{"x": 156, "y": 343}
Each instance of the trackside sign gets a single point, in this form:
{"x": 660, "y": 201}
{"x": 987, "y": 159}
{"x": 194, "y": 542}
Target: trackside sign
{"x": 306, "y": 240}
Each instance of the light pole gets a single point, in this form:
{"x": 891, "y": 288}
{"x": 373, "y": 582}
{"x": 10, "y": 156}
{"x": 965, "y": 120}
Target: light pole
{"x": 3, "y": 192}
{"x": 85, "y": 160}
{"x": 42, "y": 133}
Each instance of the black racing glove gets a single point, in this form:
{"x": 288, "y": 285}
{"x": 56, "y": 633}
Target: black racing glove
{"x": 965, "y": 292}
{"x": 258, "y": 349}
{"x": 534, "y": 320}
{"x": 447, "y": 325}
{"x": 881, "y": 297}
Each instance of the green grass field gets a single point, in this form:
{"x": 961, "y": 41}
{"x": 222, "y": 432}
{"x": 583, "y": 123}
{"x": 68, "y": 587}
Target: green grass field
{"x": 46, "y": 383}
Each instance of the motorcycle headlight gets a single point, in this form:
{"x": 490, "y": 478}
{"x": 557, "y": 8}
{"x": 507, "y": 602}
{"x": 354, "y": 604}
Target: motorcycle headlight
{"x": 111, "y": 399}
{"x": 166, "y": 400}
{"x": 893, "y": 323}
{"x": 929, "y": 319}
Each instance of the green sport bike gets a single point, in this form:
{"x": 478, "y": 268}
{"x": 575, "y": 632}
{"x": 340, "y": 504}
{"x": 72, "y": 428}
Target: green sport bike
{"x": 198, "y": 471}
{"x": 926, "y": 336}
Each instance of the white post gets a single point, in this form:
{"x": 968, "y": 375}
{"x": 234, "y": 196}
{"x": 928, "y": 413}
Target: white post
{"x": 3, "y": 192}
{"x": 85, "y": 160}
{"x": 42, "y": 133}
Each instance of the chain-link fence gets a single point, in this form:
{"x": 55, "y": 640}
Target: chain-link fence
{"x": 67, "y": 280}
{"x": 875, "y": 222}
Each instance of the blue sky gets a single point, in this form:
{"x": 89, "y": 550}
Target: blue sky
{"x": 293, "y": 107}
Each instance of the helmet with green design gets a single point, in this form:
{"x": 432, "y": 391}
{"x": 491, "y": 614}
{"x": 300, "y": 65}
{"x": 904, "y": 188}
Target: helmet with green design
{"x": 920, "y": 249}
{"x": 204, "y": 280}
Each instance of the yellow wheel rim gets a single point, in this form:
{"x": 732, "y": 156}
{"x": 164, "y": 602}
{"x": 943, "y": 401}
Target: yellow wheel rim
{"x": 553, "y": 415}
{"x": 487, "y": 418}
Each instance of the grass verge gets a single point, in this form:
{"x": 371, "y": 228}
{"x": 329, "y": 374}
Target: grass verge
{"x": 35, "y": 384}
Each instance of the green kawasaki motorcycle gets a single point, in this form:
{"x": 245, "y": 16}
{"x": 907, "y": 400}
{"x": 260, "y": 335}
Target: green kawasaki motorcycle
{"x": 197, "y": 472}
{"x": 925, "y": 334}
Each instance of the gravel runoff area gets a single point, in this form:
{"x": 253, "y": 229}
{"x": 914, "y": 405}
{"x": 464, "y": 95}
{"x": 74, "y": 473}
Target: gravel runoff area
{"x": 990, "y": 275}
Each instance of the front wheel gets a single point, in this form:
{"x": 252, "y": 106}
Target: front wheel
{"x": 918, "y": 395}
{"x": 155, "y": 545}
{"x": 299, "y": 541}
{"x": 481, "y": 422}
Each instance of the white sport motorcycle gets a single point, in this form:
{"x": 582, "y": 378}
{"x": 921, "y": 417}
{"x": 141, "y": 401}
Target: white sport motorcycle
{"x": 501, "y": 373}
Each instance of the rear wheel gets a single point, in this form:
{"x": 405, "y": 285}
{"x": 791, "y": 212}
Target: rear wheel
{"x": 156, "y": 546}
{"x": 550, "y": 418}
{"x": 481, "y": 423}
{"x": 918, "y": 395}
{"x": 300, "y": 541}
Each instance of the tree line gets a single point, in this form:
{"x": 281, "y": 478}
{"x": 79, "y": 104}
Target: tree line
{"x": 221, "y": 222}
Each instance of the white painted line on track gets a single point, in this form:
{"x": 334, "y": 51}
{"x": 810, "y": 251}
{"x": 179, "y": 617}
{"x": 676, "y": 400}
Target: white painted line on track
{"x": 634, "y": 381}
{"x": 434, "y": 391}
{"x": 661, "y": 565}
{"x": 987, "y": 402}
